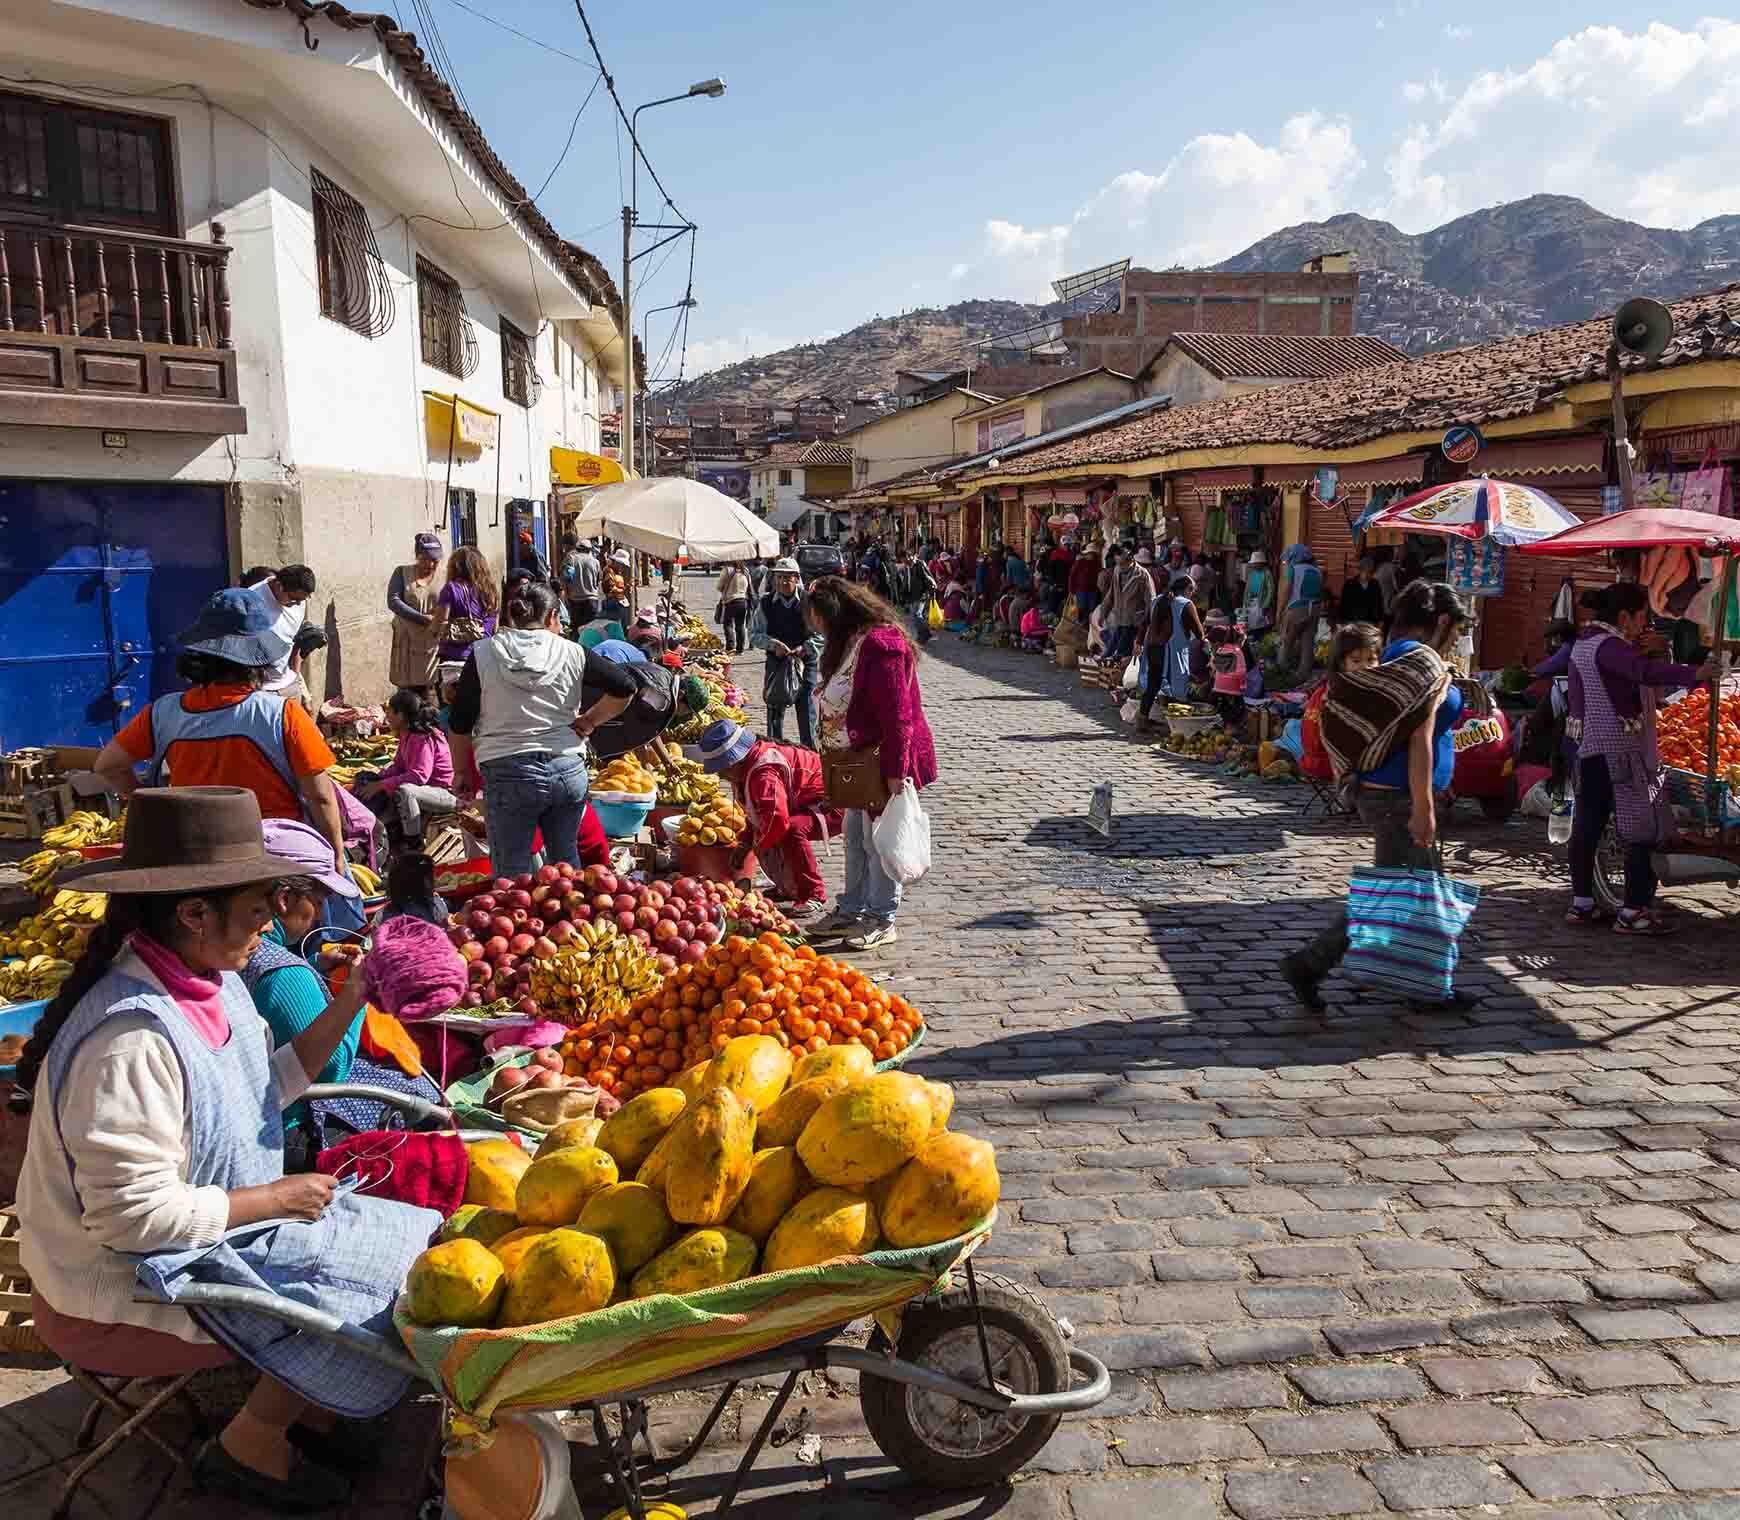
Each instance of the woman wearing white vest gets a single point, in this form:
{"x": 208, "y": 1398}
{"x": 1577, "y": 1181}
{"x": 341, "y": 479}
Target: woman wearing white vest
{"x": 518, "y": 718}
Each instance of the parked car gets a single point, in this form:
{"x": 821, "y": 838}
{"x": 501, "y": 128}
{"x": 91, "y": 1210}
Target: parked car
{"x": 819, "y": 559}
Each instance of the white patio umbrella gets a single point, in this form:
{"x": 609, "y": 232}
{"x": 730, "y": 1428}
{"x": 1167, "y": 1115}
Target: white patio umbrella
{"x": 671, "y": 517}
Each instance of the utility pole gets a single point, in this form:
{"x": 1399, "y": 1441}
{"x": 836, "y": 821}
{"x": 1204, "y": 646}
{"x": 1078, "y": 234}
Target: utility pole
{"x": 626, "y": 441}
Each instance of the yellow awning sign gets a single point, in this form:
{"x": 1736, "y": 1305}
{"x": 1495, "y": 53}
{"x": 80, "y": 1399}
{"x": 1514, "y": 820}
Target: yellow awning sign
{"x": 572, "y": 467}
{"x": 455, "y": 422}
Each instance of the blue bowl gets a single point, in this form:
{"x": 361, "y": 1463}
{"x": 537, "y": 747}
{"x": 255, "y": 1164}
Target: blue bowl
{"x": 622, "y": 820}
{"x": 19, "y": 1018}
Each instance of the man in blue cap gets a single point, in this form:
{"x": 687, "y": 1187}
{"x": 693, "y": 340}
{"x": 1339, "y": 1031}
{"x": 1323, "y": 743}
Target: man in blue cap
{"x": 225, "y": 731}
{"x": 780, "y": 789}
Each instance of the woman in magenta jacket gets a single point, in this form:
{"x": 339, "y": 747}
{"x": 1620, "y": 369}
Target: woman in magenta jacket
{"x": 869, "y": 696}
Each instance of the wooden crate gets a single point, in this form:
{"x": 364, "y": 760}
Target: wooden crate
{"x": 17, "y": 1333}
{"x": 29, "y": 815}
{"x": 27, "y": 770}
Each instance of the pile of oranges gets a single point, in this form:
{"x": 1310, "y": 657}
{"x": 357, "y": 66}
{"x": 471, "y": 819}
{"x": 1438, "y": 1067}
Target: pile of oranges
{"x": 1683, "y": 733}
{"x": 804, "y": 1000}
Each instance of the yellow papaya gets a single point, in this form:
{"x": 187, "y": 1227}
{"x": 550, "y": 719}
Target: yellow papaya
{"x": 868, "y": 1130}
{"x": 555, "y": 1189}
{"x": 652, "y": 1170}
{"x": 567, "y": 1272}
{"x": 822, "y": 1225}
{"x": 950, "y": 1184}
{"x": 455, "y": 1283}
{"x": 707, "y": 1165}
{"x": 570, "y": 1132}
{"x": 693, "y": 1082}
{"x": 512, "y": 1246}
{"x": 629, "y": 1135}
{"x": 630, "y": 1218}
{"x": 777, "y": 1180}
{"x": 496, "y": 1167}
{"x": 836, "y": 1061}
{"x": 942, "y": 1104}
{"x": 472, "y": 1221}
{"x": 701, "y": 1259}
{"x": 755, "y": 1067}
{"x": 796, "y": 1106}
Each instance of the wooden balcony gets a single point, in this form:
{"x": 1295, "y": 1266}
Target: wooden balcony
{"x": 111, "y": 328}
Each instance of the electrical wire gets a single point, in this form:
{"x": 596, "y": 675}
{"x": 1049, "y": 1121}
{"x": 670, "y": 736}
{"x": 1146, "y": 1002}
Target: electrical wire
{"x": 633, "y": 141}
{"x": 548, "y": 47}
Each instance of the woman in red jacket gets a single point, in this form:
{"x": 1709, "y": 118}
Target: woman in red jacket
{"x": 869, "y": 697}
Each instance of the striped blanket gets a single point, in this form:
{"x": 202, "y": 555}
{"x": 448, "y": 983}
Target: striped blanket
{"x": 1369, "y": 714}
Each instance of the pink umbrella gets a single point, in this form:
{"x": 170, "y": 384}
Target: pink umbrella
{"x": 1645, "y": 528}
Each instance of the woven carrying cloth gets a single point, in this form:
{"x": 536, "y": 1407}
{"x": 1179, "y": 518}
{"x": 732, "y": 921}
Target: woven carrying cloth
{"x": 1369, "y": 714}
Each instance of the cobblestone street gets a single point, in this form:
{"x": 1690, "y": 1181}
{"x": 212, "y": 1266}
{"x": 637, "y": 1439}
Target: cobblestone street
{"x": 1365, "y": 1263}
{"x": 1374, "y": 1261}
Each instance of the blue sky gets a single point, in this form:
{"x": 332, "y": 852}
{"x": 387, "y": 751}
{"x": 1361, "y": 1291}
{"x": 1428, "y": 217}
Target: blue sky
{"x": 871, "y": 158}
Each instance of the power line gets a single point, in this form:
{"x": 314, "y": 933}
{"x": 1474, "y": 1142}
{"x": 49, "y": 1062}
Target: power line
{"x": 548, "y": 47}
{"x": 633, "y": 141}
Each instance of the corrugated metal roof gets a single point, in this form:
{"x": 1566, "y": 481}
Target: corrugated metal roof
{"x": 1280, "y": 356}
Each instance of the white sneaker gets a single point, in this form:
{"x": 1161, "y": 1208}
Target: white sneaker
{"x": 873, "y": 936}
{"x": 836, "y": 923}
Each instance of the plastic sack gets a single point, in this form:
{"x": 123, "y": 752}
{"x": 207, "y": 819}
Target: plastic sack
{"x": 933, "y": 614}
{"x": 1131, "y": 710}
{"x": 902, "y": 835}
{"x": 1133, "y": 673}
{"x": 1403, "y": 928}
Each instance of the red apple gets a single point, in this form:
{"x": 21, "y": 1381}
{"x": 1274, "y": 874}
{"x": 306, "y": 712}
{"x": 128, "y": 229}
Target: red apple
{"x": 501, "y": 924}
{"x": 501, "y": 884}
{"x": 641, "y": 937}
{"x": 458, "y": 935}
{"x": 524, "y": 883}
{"x": 480, "y": 922}
{"x": 540, "y": 892}
{"x": 545, "y": 1078}
{"x": 547, "y": 1057}
{"x": 535, "y": 926}
{"x": 547, "y": 875}
{"x": 520, "y": 897}
{"x": 671, "y": 913}
{"x": 495, "y": 948}
{"x": 693, "y": 953}
{"x": 582, "y": 914}
{"x": 625, "y": 922}
{"x": 646, "y": 917}
{"x": 625, "y": 902}
{"x": 485, "y": 901}
{"x": 604, "y": 902}
{"x": 529, "y": 1008}
{"x": 561, "y": 933}
{"x": 471, "y": 1000}
{"x": 664, "y": 930}
{"x": 543, "y": 948}
{"x": 566, "y": 871}
{"x": 471, "y": 950}
{"x": 508, "y": 1078}
{"x": 667, "y": 964}
{"x": 521, "y": 944}
{"x": 520, "y": 917}
{"x": 477, "y": 972}
{"x": 573, "y": 900}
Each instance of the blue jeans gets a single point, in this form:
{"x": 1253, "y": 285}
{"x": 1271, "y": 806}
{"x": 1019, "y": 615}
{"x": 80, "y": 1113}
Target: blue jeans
{"x": 869, "y": 889}
{"x": 806, "y": 718}
{"x": 525, "y": 793}
{"x": 1122, "y": 641}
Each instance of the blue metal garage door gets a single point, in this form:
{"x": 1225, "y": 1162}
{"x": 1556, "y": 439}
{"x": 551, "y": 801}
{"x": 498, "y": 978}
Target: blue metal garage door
{"x": 95, "y": 582}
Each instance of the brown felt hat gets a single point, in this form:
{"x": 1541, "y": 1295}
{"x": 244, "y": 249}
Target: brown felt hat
{"x": 187, "y": 839}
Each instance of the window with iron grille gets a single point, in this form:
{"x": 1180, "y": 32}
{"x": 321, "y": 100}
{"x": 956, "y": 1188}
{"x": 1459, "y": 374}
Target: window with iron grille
{"x": 785, "y": 477}
{"x": 520, "y": 381}
{"x": 354, "y": 288}
{"x": 449, "y": 343}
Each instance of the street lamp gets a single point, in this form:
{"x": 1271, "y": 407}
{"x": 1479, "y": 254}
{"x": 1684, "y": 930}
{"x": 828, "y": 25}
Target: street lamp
{"x": 711, "y": 89}
{"x": 688, "y": 303}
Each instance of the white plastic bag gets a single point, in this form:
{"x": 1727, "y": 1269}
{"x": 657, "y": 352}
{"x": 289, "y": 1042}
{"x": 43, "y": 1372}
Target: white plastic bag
{"x": 902, "y": 836}
{"x": 1131, "y": 710}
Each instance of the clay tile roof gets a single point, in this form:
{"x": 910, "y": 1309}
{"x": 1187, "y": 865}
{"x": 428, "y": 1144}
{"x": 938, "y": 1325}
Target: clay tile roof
{"x": 1275, "y": 356}
{"x": 1512, "y": 377}
{"x": 820, "y": 452}
{"x": 588, "y": 274}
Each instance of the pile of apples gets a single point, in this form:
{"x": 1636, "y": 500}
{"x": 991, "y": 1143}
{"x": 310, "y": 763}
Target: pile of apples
{"x": 543, "y": 1070}
{"x": 505, "y": 929}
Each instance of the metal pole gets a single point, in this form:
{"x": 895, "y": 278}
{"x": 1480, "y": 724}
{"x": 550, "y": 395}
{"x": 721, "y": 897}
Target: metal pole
{"x": 1712, "y": 772}
{"x": 626, "y": 441}
{"x": 1621, "y": 449}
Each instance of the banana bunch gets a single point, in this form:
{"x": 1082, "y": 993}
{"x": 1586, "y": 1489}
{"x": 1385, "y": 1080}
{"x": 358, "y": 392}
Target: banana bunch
{"x": 691, "y": 729}
{"x": 41, "y": 868}
{"x": 60, "y": 929}
{"x": 85, "y": 827}
{"x": 358, "y": 755}
{"x": 24, "y": 981}
{"x": 595, "y": 977}
{"x": 368, "y": 883}
{"x": 684, "y": 781}
{"x": 690, "y": 630}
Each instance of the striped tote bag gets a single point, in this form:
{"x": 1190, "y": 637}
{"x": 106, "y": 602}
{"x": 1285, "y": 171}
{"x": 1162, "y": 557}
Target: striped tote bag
{"x": 1402, "y": 930}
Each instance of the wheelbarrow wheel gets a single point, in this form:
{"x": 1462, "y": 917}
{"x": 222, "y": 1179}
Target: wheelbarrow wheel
{"x": 939, "y": 1440}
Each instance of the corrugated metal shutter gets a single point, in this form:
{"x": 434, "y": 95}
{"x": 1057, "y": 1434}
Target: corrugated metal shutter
{"x": 1192, "y": 496}
{"x": 1328, "y": 534}
{"x": 1513, "y": 626}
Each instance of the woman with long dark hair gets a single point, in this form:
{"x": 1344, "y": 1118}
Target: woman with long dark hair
{"x": 420, "y": 779}
{"x": 869, "y": 698}
{"x": 1396, "y": 799}
{"x": 1619, "y": 772}
{"x": 520, "y": 718}
{"x": 156, "y": 1155}
{"x": 466, "y": 609}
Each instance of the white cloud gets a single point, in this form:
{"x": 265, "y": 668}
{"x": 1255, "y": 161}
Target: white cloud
{"x": 1636, "y": 123}
{"x": 1220, "y": 192}
{"x": 1415, "y": 91}
{"x": 1455, "y": 33}
{"x": 711, "y": 353}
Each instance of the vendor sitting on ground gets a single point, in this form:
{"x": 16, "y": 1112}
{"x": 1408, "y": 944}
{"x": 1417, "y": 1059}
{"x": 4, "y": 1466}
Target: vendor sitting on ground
{"x": 130, "y": 1182}
{"x": 290, "y": 993}
{"x": 957, "y": 605}
{"x": 1034, "y": 629}
{"x": 780, "y": 789}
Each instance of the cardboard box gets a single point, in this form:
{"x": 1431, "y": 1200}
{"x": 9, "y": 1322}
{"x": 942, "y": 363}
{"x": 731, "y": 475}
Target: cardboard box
{"x": 31, "y": 814}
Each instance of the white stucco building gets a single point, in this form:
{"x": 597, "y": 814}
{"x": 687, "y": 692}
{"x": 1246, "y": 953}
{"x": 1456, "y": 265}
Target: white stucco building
{"x": 253, "y": 251}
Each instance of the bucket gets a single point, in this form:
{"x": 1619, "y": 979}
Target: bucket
{"x": 522, "y": 1475}
{"x": 622, "y": 813}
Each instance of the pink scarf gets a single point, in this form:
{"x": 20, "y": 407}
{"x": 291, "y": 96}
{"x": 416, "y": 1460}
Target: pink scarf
{"x": 198, "y": 994}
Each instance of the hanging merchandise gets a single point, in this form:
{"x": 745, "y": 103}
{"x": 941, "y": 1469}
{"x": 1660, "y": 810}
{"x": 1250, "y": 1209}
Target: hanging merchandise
{"x": 1707, "y": 488}
{"x": 1475, "y": 567}
{"x": 1565, "y": 602}
{"x": 1214, "y": 528}
{"x": 1612, "y": 500}
{"x": 1659, "y": 485}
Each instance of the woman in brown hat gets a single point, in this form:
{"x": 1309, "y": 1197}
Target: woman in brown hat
{"x": 130, "y": 1183}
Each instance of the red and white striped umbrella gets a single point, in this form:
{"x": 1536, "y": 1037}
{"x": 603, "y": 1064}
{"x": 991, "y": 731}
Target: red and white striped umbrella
{"x": 1505, "y": 511}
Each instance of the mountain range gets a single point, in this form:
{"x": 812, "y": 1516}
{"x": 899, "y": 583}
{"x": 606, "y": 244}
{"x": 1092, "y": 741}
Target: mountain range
{"x": 1501, "y": 270}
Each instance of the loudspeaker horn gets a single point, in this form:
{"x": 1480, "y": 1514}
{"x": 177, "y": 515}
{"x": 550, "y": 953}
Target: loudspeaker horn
{"x": 1642, "y": 326}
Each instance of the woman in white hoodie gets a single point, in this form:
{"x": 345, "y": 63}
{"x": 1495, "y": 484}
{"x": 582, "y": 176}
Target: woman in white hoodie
{"x": 519, "y": 718}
